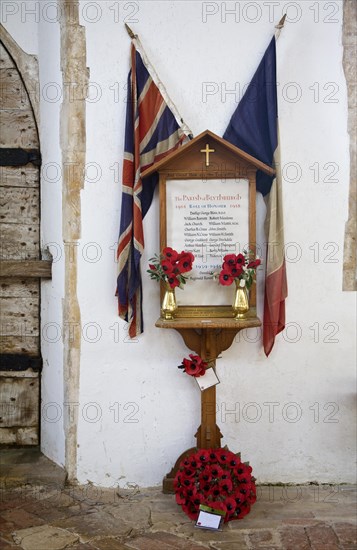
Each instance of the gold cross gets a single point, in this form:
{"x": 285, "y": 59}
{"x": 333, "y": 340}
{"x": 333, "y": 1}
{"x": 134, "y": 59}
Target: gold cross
{"x": 207, "y": 151}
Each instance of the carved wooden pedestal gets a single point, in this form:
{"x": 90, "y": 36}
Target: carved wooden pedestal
{"x": 208, "y": 338}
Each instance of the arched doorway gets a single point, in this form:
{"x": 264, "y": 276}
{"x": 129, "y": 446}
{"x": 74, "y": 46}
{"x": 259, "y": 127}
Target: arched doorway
{"x": 20, "y": 254}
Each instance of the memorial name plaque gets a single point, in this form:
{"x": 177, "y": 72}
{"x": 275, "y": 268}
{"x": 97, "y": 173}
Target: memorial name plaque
{"x": 210, "y": 219}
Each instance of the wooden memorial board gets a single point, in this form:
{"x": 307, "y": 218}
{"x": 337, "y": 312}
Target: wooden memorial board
{"x": 207, "y": 207}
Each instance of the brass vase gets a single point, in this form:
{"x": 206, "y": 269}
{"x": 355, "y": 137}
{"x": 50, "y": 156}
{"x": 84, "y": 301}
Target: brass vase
{"x": 240, "y": 304}
{"x": 169, "y": 305}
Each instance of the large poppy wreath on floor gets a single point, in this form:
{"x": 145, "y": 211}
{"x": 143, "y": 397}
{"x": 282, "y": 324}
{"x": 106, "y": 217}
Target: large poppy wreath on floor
{"x": 215, "y": 478}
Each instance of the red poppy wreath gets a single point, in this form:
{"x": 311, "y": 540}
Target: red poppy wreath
{"x": 215, "y": 478}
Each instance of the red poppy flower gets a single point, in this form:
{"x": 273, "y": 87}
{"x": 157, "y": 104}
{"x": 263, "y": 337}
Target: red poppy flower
{"x": 190, "y": 512}
{"x": 214, "y": 493}
{"x": 180, "y": 498}
{"x": 213, "y": 456}
{"x": 244, "y": 509}
{"x": 230, "y": 259}
{"x": 184, "y": 266}
{"x": 240, "y": 260}
{"x": 226, "y": 485}
{"x": 231, "y": 505}
{"x": 153, "y": 267}
{"x": 203, "y": 364}
{"x": 195, "y": 463}
{"x": 177, "y": 481}
{"x": 236, "y": 271}
{"x": 166, "y": 266}
{"x": 205, "y": 478}
{"x": 216, "y": 471}
{"x": 234, "y": 461}
{"x": 197, "y": 499}
{"x": 170, "y": 253}
{"x": 185, "y": 260}
{"x": 205, "y": 486}
{"x": 223, "y": 456}
{"x": 183, "y": 254}
{"x": 194, "y": 366}
{"x": 254, "y": 264}
{"x": 173, "y": 281}
{"x": 226, "y": 266}
{"x": 243, "y": 472}
{"x": 203, "y": 456}
{"x": 243, "y": 495}
{"x": 226, "y": 278}
{"x": 187, "y": 483}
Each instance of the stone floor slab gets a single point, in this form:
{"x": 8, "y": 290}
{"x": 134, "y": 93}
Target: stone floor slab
{"x": 83, "y": 546}
{"x": 17, "y": 467}
{"x": 163, "y": 541}
{"x": 230, "y": 546}
{"x": 20, "y": 518}
{"x": 264, "y": 538}
{"x": 294, "y": 537}
{"x": 108, "y": 543}
{"x": 95, "y": 524}
{"x": 346, "y": 533}
{"x": 135, "y": 515}
{"x": 5, "y": 544}
{"x": 322, "y": 536}
{"x": 44, "y": 537}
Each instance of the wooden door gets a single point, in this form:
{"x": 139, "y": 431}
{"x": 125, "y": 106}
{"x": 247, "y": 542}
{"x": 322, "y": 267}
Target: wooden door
{"x": 20, "y": 250}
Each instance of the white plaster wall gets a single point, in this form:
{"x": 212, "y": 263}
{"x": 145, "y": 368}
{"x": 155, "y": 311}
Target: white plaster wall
{"x": 21, "y": 20}
{"x": 292, "y": 414}
{"x": 52, "y": 324}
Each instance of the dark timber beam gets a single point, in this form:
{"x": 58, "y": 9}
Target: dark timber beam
{"x": 26, "y": 268}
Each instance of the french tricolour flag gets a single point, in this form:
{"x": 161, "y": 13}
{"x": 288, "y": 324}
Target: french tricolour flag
{"x": 254, "y": 128}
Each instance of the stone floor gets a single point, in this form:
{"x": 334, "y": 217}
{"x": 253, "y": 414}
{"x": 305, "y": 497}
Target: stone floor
{"x": 38, "y": 511}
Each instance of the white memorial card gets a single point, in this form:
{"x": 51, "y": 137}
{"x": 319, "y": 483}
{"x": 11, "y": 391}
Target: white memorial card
{"x": 209, "y": 518}
{"x": 209, "y": 379}
{"x": 210, "y": 219}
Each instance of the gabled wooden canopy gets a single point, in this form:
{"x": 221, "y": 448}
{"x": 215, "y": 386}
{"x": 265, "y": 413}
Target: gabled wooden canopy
{"x": 189, "y": 156}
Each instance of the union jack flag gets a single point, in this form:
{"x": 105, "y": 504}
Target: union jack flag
{"x": 152, "y": 131}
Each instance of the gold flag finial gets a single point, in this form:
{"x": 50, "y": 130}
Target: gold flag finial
{"x": 130, "y": 32}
